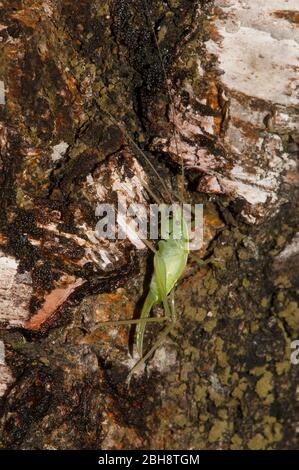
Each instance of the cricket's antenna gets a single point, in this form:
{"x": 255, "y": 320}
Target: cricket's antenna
{"x": 182, "y": 188}
{"x": 138, "y": 149}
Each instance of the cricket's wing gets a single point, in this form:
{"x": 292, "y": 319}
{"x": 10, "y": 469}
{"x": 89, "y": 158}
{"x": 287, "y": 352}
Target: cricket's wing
{"x": 175, "y": 259}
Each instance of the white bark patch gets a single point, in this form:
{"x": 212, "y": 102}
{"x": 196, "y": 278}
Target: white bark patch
{"x": 2, "y": 92}
{"x": 58, "y": 151}
{"x": 258, "y": 53}
{"x": 290, "y": 250}
{"x": 129, "y": 190}
{"x": 126, "y": 193}
{"x": 287, "y": 261}
{"x": 15, "y": 293}
{"x": 6, "y": 377}
{"x": 99, "y": 187}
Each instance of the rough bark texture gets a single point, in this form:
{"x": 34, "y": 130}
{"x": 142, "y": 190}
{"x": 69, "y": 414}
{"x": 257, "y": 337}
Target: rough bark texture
{"x": 224, "y": 379}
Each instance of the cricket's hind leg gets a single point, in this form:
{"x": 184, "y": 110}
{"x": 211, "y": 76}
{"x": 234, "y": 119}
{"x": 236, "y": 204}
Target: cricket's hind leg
{"x": 159, "y": 341}
{"x": 172, "y": 306}
{"x": 161, "y": 337}
{"x": 132, "y": 321}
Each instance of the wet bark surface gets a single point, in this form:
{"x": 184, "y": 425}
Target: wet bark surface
{"x": 79, "y": 82}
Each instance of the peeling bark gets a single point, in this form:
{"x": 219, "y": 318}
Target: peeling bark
{"x": 250, "y": 93}
{"x": 15, "y": 292}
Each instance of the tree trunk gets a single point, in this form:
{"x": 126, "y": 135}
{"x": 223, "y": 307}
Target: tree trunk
{"x": 212, "y": 85}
